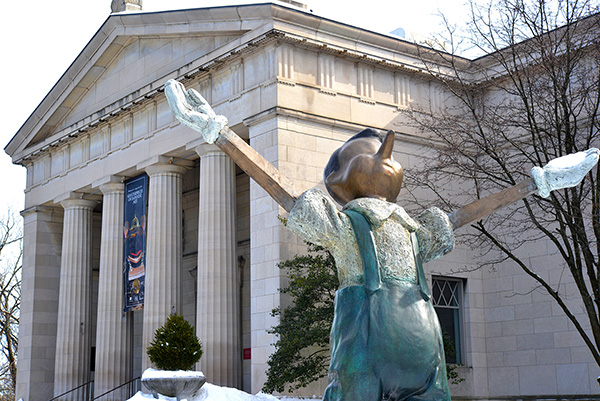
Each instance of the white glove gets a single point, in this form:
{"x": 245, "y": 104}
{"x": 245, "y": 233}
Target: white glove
{"x": 564, "y": 172}
{"x": 190, "y": 108}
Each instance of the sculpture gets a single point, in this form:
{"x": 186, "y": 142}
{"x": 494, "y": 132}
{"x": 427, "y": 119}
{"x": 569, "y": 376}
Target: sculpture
{"x": 385, "y": 339}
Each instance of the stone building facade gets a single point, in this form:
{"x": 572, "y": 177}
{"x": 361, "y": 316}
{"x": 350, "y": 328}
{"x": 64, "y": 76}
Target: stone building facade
{"x": 294, "y": 85}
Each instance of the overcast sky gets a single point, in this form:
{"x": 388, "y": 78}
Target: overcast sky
{"x": 41, "y": 38}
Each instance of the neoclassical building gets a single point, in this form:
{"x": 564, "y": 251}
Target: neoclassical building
{"x": 295, "y": 86}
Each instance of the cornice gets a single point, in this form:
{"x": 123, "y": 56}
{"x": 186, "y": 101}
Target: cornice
{"x": 116, "y": 31}
{"x": 146, "y": 94}
{"x": 218, "y": 59}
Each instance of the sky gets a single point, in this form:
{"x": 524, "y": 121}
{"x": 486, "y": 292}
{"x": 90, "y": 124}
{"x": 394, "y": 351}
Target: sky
{"x": 41, "y": 38}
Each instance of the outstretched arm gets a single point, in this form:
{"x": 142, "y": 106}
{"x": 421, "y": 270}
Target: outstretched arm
{"x": 564, "y": 172}
{"x": 192, "y": 110}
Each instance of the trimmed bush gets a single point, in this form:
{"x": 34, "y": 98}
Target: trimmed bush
{"x": 175, "y": 345}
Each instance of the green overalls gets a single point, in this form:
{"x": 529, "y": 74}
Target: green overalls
{"x": 386, "y": 340}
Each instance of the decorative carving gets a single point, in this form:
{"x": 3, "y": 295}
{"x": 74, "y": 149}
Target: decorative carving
{"x": 237, "y": 78}
{"x": 365, "y": 81}
{"x": 435, "y": 97}
{"x": 205, "y": 88}
{"x": 128, "y": 128}
{"x": 286, "y": 63}
{"x": 271, "y": 62}
{"x": 403, "y": 92}
{"x": 151, "y": 115}
{"x": 326, "y": 71}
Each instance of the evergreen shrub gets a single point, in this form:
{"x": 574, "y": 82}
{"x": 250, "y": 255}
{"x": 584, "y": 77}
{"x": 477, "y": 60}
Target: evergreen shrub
{"x": 175, "y": 345}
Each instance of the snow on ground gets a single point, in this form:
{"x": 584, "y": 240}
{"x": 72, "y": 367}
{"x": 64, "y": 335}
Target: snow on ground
{"x": 209, "y": 392}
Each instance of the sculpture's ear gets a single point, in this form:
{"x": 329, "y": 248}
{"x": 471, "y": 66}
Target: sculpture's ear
{"x": 387, "y": 147}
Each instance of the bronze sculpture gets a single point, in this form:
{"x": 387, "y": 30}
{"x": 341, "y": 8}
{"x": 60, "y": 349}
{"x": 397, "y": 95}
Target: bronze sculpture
{"x": 385, "y": 339}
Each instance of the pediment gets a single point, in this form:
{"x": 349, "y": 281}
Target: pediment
{"x": 143, "y": 60}
{"x": 140, "y": 61}
{"x": 128, "y": 53}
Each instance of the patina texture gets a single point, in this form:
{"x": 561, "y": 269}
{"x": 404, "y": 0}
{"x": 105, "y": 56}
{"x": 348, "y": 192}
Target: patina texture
{"x": 316, "y": 219}
{"x": 385, "y": 339}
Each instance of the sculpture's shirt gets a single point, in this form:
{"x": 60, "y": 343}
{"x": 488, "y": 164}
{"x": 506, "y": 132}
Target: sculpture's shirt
{"x": 316, "y": 219}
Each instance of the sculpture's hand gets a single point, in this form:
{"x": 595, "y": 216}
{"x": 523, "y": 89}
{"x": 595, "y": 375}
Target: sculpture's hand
{"x": 190, "y": 108}
{"x": 564, "y": 172}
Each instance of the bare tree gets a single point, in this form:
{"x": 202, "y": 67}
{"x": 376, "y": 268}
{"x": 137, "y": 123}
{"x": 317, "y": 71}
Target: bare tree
{"x": 10, "y": 303}
{"x": 534, "y": 96}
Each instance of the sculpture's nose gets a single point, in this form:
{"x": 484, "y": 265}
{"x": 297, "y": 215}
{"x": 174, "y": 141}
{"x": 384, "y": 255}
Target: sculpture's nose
{"x": 387, "y": 147}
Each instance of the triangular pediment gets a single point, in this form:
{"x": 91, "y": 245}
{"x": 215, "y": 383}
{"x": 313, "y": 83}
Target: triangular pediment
{"x": 129, "y": 54}
{"x": 143, "y": 60}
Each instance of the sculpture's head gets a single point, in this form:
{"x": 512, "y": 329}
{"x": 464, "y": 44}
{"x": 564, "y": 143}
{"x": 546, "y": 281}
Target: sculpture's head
{"x": 364, "y": 168}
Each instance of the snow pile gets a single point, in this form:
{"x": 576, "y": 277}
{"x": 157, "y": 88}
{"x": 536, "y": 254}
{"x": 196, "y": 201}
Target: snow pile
{"x": 208, "y": 392}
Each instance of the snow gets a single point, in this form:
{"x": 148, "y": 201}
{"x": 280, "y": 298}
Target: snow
{"x": 211, "y": 392}
{"x": 155, "y": 373}
{"x": 208, "y": 392}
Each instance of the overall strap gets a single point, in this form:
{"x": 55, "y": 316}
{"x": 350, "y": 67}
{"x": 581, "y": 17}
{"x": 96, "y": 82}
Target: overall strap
{"x": 366, "y": 246}
{"x": 421, "y": 280}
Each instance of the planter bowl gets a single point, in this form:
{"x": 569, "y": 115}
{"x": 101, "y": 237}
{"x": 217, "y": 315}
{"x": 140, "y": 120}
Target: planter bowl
{"x": 181, "y": 384}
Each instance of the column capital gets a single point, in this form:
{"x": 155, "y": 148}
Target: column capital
{"x": 206, "y": 149}
{"x": 83, "y": 203}
{"x": 75, "y": 199}
{"x": 112, "y": 187}
{"x": 77, "y": 196}
{"x": 164, "y": 168}
{"x": 160, "y": 164}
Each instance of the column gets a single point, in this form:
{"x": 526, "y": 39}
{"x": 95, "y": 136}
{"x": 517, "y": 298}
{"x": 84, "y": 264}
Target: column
{"x": 113, "y": 350}
{"x": 163, "y": 249}
{"x": 217, "y": 320}
{"x": 40, "y": 282}
{"x": 72, "y": 366}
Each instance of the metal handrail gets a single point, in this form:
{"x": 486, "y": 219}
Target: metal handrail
{"x": 90, "y": 384}
{"x": 130, "y": 394}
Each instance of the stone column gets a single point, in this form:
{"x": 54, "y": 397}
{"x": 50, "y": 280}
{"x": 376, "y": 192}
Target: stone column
{"x": 40, "y": 282}
{"x": 217, "y": 320}
{"x": 163, "y": 249}
{"x": 72, "y": 365}
{"x": 113, "y": 351}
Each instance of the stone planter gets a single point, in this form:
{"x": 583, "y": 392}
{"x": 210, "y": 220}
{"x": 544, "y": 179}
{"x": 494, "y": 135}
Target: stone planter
{"x": 181, "y": 384}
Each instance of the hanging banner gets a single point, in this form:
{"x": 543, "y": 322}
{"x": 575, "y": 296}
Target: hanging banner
{"x": 134, "y": 242}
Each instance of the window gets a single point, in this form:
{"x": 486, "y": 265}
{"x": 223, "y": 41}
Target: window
{"x": 447, "y": 296}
